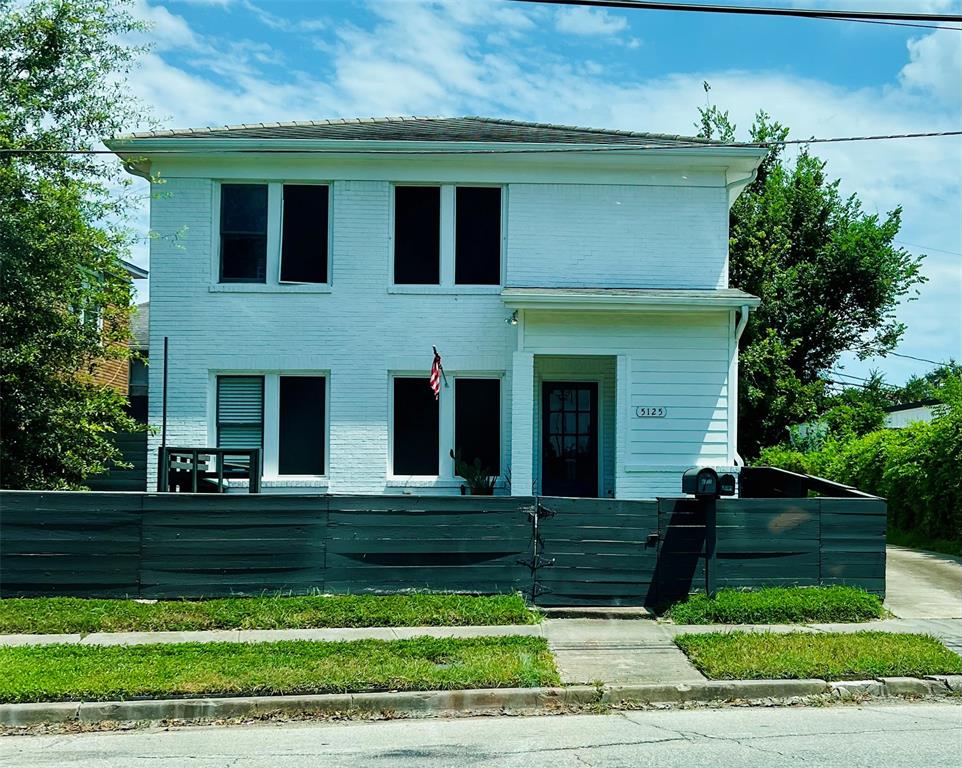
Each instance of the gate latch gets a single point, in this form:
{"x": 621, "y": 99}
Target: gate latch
{"x": 652, "y": 539}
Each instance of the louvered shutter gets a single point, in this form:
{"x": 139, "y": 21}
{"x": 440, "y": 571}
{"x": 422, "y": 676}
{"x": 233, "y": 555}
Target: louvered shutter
{"x": 240, "y": 411}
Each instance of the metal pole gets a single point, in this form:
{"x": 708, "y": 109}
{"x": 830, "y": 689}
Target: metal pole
{"x": 711, "y": 536}
{"x": 163, "y": 481}
{"x": 163, "y": 422}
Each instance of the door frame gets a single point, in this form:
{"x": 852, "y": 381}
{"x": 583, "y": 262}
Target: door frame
{"x": 599, "y": 382}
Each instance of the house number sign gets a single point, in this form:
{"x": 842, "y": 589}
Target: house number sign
{"x": 651, "y": 412}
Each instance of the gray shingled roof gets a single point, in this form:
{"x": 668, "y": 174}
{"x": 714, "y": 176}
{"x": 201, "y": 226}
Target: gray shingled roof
{"x": 484, "y": 129}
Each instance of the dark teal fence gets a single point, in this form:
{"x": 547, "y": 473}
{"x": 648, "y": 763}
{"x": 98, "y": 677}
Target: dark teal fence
{"x": 558, "y": 551}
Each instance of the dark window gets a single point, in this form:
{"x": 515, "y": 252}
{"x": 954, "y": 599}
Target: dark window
{"x": 416, "y": 439}
{"x": 304, "y": 244}
{"x": 302, "y": 425}
{"x": 417, "y": 235}
{"x": 478, "y": 236}
{"x": 240, "y": 411}
{"x": 477, "y": 422}
{"x": 243, "y": 233}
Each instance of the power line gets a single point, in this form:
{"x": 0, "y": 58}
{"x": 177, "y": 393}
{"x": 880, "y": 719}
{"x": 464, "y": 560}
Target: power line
{"x": 920, "y": 359}
{"x": 651, "y": 145}
{"x": 872, "y": 17}
{"x": 927, "y": 248}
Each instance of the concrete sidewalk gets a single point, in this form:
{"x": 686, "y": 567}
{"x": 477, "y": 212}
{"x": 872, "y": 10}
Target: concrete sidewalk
{"x": 587, "y": 651}
{"x": 923, "y": 585}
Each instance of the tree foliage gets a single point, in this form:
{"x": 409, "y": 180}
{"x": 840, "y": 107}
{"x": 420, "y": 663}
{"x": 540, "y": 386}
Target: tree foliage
{"x": 829, "y": 275}
{"x": 65, "y": 297}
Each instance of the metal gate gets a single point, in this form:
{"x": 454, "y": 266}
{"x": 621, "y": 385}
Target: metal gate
{"x": 594, "y": 552}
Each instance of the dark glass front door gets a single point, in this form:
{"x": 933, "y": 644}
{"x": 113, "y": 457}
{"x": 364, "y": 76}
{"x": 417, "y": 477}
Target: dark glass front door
{"x": 569, "y": 437}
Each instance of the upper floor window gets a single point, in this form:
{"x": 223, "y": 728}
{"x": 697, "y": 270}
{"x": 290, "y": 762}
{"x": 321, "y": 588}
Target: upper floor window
{"x": 274, "y": 233}
{"x": 477, "y": 244}
{"x": 447, "y": 235}
{"x": 417, "y": 235}
{"x": 304, "y": 233}
{"x": 243, "y": 233}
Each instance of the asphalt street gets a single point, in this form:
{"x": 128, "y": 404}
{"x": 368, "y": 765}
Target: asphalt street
{"x": 920, "y": 735}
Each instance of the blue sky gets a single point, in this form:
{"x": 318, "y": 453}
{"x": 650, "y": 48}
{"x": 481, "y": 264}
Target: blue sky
{"x": 217, "y": 62}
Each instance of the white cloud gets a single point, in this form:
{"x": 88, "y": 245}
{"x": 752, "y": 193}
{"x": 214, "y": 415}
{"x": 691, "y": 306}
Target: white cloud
{"x": 578, "y": 20}
{"x": 167, "y": 30}
{"x": 935, "y": 65}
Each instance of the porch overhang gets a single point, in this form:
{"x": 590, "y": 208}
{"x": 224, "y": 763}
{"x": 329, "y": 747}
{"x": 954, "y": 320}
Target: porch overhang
{"x": 627, "y": 299}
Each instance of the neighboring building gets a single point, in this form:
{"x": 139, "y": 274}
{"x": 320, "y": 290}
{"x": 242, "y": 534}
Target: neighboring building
{"x": 133, "y": 445}
{"x": 575, "y": 282}
{"x": 899, "y": 416}
{"x": 116, "y": 372}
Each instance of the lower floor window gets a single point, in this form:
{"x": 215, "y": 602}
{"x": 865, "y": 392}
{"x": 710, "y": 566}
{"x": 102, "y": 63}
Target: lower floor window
{"x": 284, "y": 415}
{"x": 416, "y": 421}
{"x": 301, "y": 423}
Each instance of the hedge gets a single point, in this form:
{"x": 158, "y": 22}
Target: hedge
{"x": 918, "y": 469}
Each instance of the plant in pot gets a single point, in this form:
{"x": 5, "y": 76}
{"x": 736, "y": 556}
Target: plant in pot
{"x": 478, "y": 478}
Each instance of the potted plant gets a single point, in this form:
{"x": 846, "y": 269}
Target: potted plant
{"x": 479, "y": 480}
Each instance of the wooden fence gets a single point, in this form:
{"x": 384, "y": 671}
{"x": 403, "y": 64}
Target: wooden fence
{"x": 557, "y": 551}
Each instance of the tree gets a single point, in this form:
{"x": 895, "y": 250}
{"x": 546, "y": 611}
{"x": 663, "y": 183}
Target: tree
{"x": 65, "y": 298}
{"x": 828, "y": 274}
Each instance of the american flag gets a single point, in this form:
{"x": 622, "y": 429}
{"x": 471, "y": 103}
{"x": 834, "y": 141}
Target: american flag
{"x": 436, "y": 372}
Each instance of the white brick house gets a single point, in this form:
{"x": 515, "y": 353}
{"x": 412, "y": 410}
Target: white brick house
{"x": 574, "y": 280}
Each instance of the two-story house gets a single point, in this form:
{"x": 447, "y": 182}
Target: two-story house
{"x": 574, "y": 281}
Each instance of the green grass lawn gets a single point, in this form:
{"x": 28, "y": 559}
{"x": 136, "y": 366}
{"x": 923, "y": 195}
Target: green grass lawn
{"x": 70, "y": 615}
{"x": 103, "y": 673}
{"x": 779, "y": 605}
{"x": 915, "y": 540}
{"x": 828, "y": 656}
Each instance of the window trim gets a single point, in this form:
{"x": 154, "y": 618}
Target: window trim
{"x": 446, "y": 413}
{"x": 272, "y": 276}
{"x": 448, "y": 236}
{"x": 271, "y": 416}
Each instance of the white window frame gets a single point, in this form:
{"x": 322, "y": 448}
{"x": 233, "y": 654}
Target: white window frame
{"x": 275, "y": 223}
{"x": 446, "y": 410}
{"x": 448, "y": 238}
{"x": 271, "y": 438}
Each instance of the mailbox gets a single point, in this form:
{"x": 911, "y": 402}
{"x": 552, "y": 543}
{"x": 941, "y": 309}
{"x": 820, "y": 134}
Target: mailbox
{"x": 704, "y": 483}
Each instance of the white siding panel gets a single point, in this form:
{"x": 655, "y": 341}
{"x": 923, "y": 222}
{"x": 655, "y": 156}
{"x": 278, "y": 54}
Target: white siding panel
{"x": 674, "y": 361}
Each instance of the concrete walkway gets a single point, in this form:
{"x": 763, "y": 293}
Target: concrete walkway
{"x": 923, "y": 585}
{"x": 587, "y": 651}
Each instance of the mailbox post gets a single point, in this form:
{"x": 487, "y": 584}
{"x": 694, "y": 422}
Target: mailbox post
{"x": 706, "y": 486}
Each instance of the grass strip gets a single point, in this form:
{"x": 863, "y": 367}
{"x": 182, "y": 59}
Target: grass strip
{"x": 64, "y": 615}
{"x": 828, "y": 656}
{"x": 779, "y": 605}
{"x": 103, "y": 673}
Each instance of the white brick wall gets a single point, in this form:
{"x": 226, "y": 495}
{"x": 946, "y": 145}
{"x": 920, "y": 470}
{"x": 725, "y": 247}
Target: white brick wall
{"x": 358, "y": 330}
{"x": 589, "y": 235}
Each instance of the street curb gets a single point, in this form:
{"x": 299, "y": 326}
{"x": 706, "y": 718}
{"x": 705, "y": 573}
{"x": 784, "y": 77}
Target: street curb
{"x": 478, "y": 701}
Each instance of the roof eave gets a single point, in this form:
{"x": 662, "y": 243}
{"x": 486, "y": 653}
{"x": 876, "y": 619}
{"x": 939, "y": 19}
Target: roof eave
{"x": 127, "y": 146}
{"x": 619, "y": 303}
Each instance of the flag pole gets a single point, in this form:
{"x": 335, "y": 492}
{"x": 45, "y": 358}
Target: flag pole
{"x": 444, "y": 376}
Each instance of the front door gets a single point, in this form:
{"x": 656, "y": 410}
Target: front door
{"x": 569, "y": 438}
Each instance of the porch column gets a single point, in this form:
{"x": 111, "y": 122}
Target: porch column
{"x": 522, "y": 424}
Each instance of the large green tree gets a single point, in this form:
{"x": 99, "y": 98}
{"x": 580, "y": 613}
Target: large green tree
{"x": 65, "y": 297}
{"x": 829, "y": 275}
